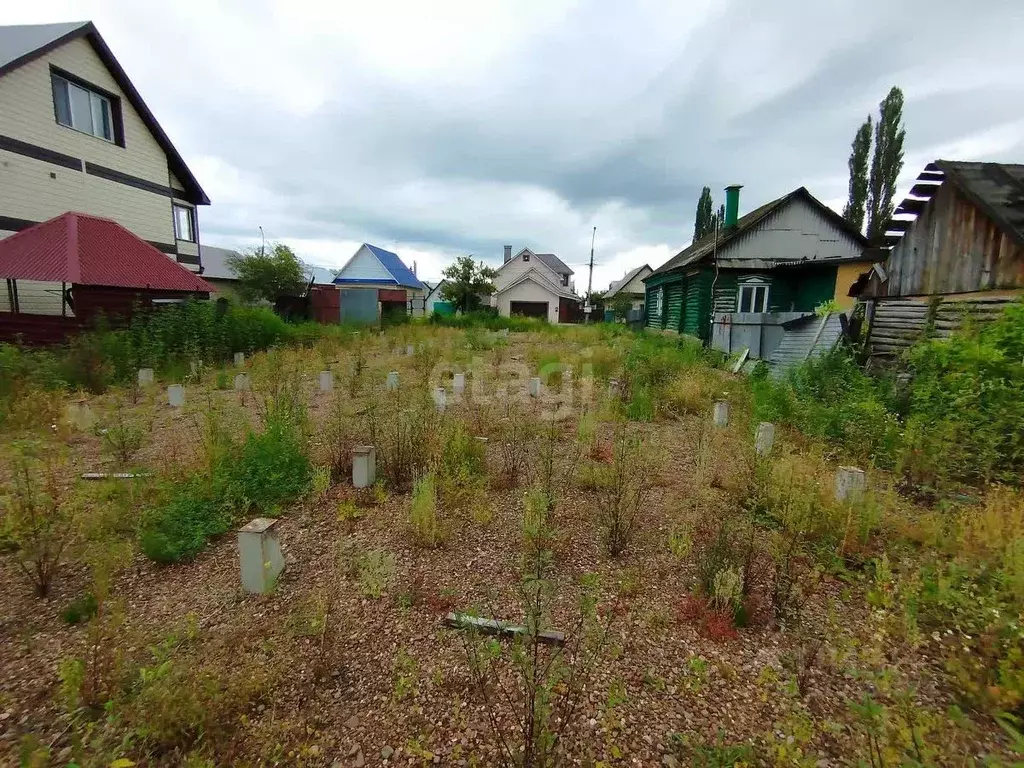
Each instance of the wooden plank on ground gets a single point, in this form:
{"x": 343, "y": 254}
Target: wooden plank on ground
{"x": 494, "y": 627}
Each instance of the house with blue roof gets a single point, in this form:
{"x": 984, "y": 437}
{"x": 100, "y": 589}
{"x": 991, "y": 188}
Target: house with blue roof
{"x": 380, "y": 273}
{"x": 371, "y": 266}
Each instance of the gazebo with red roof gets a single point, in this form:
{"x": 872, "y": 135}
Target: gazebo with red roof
{"x": 100, "y": 267}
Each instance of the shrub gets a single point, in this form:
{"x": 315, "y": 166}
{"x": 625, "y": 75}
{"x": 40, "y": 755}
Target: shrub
{"x": 82, "y": 608}
{"x": 423, "y": 518}
{"x": 966, "y": 422}
{"x": 402, "y": 433}
{"x": 271, "y": 470}
{"x": 830, "y": 397}
{"x": 37, "y": 516}
{"x": 123, "y": 436}
{"x": 460, "y": 468}
{"x": 180, "y": 527}
{"x": 622, "y": 490}
{"x": 376, "y": 573}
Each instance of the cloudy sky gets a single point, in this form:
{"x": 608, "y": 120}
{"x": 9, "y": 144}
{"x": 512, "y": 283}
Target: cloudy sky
{"x": 456, "y": 126}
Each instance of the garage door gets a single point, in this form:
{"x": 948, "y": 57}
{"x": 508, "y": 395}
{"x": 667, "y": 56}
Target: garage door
{"x": 529, "y": 308}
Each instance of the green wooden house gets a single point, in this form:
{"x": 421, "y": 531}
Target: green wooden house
{"x": 772, "y": 265}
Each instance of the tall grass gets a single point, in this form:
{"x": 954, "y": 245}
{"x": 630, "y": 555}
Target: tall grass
{"x": 165, "y": 340}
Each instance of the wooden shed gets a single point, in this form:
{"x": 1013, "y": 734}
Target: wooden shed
{"x": 64, "y": 273}
{"x": 954, "y": 248}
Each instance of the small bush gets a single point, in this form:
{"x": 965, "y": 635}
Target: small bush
{"x": 37, "y": 516}
{"x": 426, "y": 526}
{"x": 80, "y": 609}
{"x": 622, "y": 490}
{"x": 179, "y": 529}
{"x": 123, "y": 436}
{"x": 376, "y": 573}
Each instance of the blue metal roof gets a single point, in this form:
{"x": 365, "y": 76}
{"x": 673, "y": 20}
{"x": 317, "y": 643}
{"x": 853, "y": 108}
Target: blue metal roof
{"x": 402, "y": 274}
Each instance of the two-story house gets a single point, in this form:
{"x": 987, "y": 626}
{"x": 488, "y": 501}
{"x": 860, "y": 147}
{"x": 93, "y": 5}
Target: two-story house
{"x": 536, "y": 285}
{"x": 75, "y": 135}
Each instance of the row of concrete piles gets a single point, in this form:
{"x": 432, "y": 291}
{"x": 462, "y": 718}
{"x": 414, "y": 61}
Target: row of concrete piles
{"x": 850, "y": 482}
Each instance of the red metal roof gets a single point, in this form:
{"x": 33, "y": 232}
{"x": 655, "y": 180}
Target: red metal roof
{"x": 88, "y": 250}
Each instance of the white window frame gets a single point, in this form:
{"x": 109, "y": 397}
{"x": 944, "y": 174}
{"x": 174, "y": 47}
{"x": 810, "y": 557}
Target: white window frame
{"x": 97, "y": 101}
{"x": 753, "y": 287}
{"x": 190, "y": 236}
{"x": 659, "y": 299}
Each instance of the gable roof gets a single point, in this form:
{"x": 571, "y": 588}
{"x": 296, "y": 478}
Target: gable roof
{"x": 616, "y": 285}
{"x": 535, "y": 275}
{"x": 555, "y": 263}
{"x": 549, "y": 260}
{"x": 89, "y": 250}
{"x": 400, "y": 274}
{"x": 22, "y": 44}
{"x": 704, "y": 247}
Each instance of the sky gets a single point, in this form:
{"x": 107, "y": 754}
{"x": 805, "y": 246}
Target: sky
{"x": 437, "y": 129}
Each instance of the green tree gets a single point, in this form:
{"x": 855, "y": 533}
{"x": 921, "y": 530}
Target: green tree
{"x": 465, "y": 281}
{"x": 621, "y": 304}
{"x": 858, "y": 198}
{"x": 268, "y": 273}
{"x": 886, "y": 163}
{"x": 704, "y": 221}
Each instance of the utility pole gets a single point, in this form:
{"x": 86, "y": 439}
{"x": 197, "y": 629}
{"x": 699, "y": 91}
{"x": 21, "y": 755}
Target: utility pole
{"x": 263, "y": 243}
{"x": 590, "y": 280}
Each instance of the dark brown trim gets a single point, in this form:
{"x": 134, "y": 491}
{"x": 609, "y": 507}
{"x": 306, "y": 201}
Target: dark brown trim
{"x": 113, "y": 98}
{"x": 168, "y": 248}
{"x": 89, "y": 31}
{"x": 188, "y": 258}
{"x": 40, "y": 153}
{"x": 133, "y": 181}
{"x": 15, "y": 225}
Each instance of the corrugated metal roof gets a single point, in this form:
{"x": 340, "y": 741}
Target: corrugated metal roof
{"x": 88, "y": 250}
{"x": 555, "y": 263}
{"x": 402, "y": 274}
{"x": 215, "y": 262}
{"x": 706, "y": 245}
{"x": 19, "y": 41}
{"x": 811, "y": 337}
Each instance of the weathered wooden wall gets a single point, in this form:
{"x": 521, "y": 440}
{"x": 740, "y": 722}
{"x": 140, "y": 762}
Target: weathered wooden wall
{"x": 953, "y": 247}
{"x": 896, "y": 324}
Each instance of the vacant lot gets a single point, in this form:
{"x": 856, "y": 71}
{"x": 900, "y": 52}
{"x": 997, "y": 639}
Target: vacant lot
{"x": 718, "y": 606}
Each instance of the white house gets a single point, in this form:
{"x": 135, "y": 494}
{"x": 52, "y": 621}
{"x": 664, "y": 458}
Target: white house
{"x": 377, "y": 279}
{"x": 535, "y": 285}
{"x": 423, "y": 304}
{"x": 631, "y": 285}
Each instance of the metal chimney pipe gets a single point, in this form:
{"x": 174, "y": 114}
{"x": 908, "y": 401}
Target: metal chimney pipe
{"x": 732, "y": 204}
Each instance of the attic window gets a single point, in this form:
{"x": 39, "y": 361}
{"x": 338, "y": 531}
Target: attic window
{"x": 565, "y": 279}
{"x": 526, "y": 257}
{"x": 84, "y": 109}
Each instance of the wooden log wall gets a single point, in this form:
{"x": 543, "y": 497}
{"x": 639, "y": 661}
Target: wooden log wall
{"x": 896, "y": 324}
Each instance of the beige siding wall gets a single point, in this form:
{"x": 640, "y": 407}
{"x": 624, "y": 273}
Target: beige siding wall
{"x": 513, "y": 269}
{"x": 27, "y": 188}
{"x": 185, "y": 248}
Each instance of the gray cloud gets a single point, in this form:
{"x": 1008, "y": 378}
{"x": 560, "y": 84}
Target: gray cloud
{"x": 595, "y": 113}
